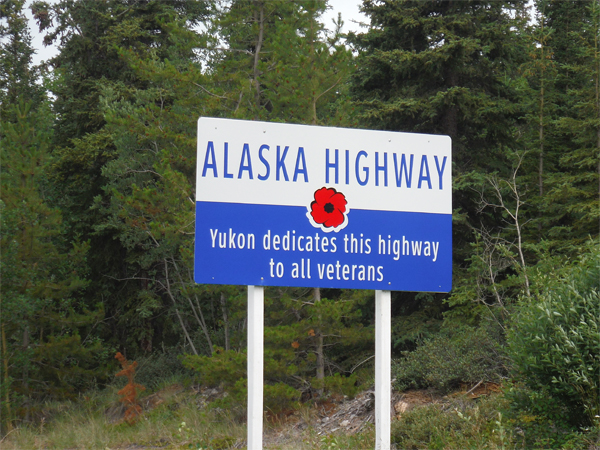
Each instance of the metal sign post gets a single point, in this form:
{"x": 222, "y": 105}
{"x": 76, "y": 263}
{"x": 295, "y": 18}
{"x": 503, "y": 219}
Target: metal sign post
{"x": 256, "y": 308}
{"x": 383, "y": 362}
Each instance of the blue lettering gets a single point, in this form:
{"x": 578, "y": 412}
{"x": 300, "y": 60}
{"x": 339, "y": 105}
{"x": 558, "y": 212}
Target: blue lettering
{"x": 248, "y": 165}
{"x": 210, "y": 152}
{"x": 226, "y": 174}
{"x": 264, "y": 161}
{"x": 280, "y": 163}
{"x": 334, "y": 166}
{"x": 365, "y": 169}
{"x": 422, "y": 176}
{"x": 379, "y": 168}
{"x": 440, "y": 171}
{"x": 403, "y": 168}
{"x": 297, "y": 170}
{"x": 347, "y": 166}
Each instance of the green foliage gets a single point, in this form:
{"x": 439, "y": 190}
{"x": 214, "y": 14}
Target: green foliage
{"x": 554, "y": 340}
{"x": 278, "y": 64}
{"x": 48, "y": 348}
{"x": 224, "y": 368}
{"x": 559, "y": 87}
{"x": 572, "y": 193}
{"x": 542, "y": 421}
{"x": 440, "y": 67}
{"x": 18, "y": 76}
{"x": 337, "y": 384}
{"x": 445, "y": 68}
{"x": 280, "y": 397}
{"x": 159, "y": 367}
{"x": 341, "y": 385}
{"x": 98, "y": 187}
{"x": 124, "y": 156}
{"x": 460, "y": 423}
{"x": 418, "y": 317}
{"x": 451, "y": 358}
{"x": 227, "y": 369}
{"x": 300, "y": 327}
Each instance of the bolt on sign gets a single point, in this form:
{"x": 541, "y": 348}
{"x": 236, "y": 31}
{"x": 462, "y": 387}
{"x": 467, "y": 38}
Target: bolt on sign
{"x": 298, "y": 205}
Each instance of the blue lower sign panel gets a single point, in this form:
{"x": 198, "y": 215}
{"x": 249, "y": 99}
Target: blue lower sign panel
{"x": 296, "y": 205}
{"x": 277, "y": 246}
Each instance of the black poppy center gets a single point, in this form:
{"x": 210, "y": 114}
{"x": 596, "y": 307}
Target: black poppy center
{"x": 328, "y": 208}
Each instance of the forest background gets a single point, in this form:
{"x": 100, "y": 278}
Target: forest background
{"x": 97, "y": 202}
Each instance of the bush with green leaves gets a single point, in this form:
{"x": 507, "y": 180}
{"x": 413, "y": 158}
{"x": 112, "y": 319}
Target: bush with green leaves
{"x": 227, "y": 369}
{"x": 554, "y": 341}
{"x": 465, "y": 355}
{"x": 543, "y": 422}
{"x": 158, "y": 368}
{"x": 459, "y": 423}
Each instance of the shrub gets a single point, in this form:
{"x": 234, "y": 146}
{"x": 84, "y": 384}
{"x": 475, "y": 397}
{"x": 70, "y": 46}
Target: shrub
{"x": 227, "y": 369}
{"x": 342, "y": 385}
{"x": 129, "y": 393}
{"x": 224, "y": 368}
{"x": 543, "y": 422}
{"x": 450, "y": 358}
{"x": 280, "y": 397}
{"x": 336, "y": 384}
{"x": 458, "y": 424}
{"x": 160, "y": 367}
{"x": 555, "y": 340}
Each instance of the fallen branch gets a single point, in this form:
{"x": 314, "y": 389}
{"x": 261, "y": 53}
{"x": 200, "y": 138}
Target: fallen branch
{"x": 474, "y": 387}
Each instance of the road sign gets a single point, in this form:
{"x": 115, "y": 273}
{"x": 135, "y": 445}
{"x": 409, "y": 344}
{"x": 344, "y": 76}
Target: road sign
{"x": 297, "y": 205}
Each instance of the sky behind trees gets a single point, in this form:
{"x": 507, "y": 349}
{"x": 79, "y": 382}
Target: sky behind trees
{"x": 348, "y": 8}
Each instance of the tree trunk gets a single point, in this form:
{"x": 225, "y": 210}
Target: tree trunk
{"x": 26, "y": 372}
{"x": 8, "y": 418}
{"x": 197, "y": 314}
{"x": 450, "y": 117}
{"x": 319, "y": 350}
{"x": 541, "y": 157}
{"x": 225, "y": 321}
{"x": 168, "y": 286}
{"x": 204, "y": 327}
{"x": 257, "y": 49}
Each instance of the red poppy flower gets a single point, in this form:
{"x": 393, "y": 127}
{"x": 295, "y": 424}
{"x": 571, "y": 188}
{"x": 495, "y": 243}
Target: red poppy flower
{"x": 328, "y": 208}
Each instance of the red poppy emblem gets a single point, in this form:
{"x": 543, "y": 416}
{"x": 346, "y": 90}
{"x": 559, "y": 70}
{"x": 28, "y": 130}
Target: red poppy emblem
{"x": 328, "y": 210}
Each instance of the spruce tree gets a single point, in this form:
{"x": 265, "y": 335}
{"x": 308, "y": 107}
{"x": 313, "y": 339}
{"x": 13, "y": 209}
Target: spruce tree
{"x": 571, "y": 203}
{"x": 441, "y": 67}
{"x": 446, "y": 67}
{"x": 42, "y": 276}
{"x": 18, "y": 76}
{"x": 94, "y": 40}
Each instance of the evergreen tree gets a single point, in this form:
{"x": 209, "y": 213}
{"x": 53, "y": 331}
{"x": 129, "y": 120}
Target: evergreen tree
{"x": 43, "y": 320}
{"x": 441, "y": 67}
{"x": 571, "y": 202}
{"x": 95, "y": 39}
{"x": 18, "y": 77}
{"x": 446, "y": 67}
{"x": 148, "y": 201}
{"x": 273, "y": 61}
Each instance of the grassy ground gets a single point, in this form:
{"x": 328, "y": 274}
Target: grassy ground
{"x": 179, "y": 422}
{"x": 180, "y": 419}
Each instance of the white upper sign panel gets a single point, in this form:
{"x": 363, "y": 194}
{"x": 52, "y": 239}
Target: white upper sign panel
{"x": 281, "y": 164}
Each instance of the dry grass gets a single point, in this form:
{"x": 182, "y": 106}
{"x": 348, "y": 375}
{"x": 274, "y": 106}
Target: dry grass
{"x": 86, "y": 425}
{"x": 178, "y": 421}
